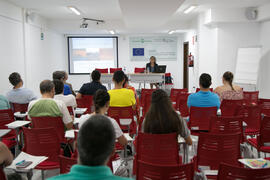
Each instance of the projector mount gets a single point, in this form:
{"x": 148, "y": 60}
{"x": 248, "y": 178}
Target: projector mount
{"x": 85, "y": 24}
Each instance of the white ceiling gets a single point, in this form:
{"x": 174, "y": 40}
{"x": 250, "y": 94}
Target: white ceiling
{"x": 126, "y": 16}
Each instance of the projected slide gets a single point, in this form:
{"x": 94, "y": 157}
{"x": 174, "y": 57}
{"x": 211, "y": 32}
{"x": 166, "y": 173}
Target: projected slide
{"x": 89, "y": 53}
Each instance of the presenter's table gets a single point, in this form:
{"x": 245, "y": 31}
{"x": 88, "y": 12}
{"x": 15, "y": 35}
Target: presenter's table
{"x": 136, "y": 78}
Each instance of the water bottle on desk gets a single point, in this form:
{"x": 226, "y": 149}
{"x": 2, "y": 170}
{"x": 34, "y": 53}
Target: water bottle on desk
{"x": 147, "y": 70}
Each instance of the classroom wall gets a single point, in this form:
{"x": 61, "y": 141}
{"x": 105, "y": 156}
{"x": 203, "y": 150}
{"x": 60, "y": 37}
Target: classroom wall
{"x": 23, "y": 51}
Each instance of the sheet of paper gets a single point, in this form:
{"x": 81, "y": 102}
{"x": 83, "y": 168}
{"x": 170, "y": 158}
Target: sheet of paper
{"x": 17, "y": 124}
{"x": 80, "y": 110}
{"x": 255, "y": 163}
{"x": 27, "y": 157}
{"x": 71, "y": 133}
{"x": 128, "y": 137}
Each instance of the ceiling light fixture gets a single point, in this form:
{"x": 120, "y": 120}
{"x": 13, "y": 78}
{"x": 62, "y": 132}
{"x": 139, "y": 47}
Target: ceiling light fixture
{"x": 171, "y": 32}
{"x": 112, "y": 31}
{"x": 74, "y": 10}
{"x": 189, "y": 9}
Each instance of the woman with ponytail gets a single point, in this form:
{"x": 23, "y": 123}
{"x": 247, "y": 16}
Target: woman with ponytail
{"x": 228, "y": 90}
{"x": 102, "y": 102}
{"x": 161, "y": 117}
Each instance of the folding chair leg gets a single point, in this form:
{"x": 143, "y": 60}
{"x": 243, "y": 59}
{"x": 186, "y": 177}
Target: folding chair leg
{"x": 259, "y": 154}
{"x": 42, "y": 175}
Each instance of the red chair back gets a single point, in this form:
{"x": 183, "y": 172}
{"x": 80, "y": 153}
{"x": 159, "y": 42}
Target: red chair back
{"x": 251, "y": 97}
{"x": 161, "y": 172}
{"x": 102, "y": 70}
{"x": 112, "y": 70}
{"x": 216, "y": 148}
{"x": 139, "y": 70}
{"x": 2, "y": 174}
{"x": 200, "y": 117}
{"x": 6, "y": 117}
{"x": 176, "y": 92}
{"x": 19, "y": 107}
{"x": 146, "y": 96}
{"x": 227, "y": 171}
{"x": 50, "y": 122}
{"x": 181, "y": 104}
{"x": 252, "y": 116}
{"x": 265, "y": 106}
{"x": 231, "y": 107}
{"x": 66, "y": 163}
{"x": 42, "y": 142}
{"x": 70, "y": 110}
{"x": 198, "y": 89}
{"x": 263, "y": 138}
{"x": 227, "y": 125}
{"x": 119, "y": 113}
{"x": 158, "y": 148}
{"x": 86, "y": 102}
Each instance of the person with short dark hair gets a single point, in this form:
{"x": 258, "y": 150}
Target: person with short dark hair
{"x": 92, "y": 87}
{"x": 60, "y": 75}
{"x": 19, "y": 94}
{"x": 102, "y": 102}
{"x": 95, "y": 144}
{"x": 228, "y": 90}
{"x": 69, "y": 100}
{"x": 47, "y": 106}
{"x": 161, "y": 117}
{"x": 121, "y": 97}
{"x": 204, "y": 98}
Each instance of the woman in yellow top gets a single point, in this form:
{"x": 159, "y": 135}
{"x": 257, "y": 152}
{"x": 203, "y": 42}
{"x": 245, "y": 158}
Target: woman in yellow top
{"x": 119, "y": 96}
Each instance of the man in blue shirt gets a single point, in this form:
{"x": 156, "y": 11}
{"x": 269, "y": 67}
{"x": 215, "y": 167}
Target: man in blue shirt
{"x": 19, "y": 94}
{"x": 204, "y": 98}
{"x": 95, "y": 145}
{"x": 60, "y": 75}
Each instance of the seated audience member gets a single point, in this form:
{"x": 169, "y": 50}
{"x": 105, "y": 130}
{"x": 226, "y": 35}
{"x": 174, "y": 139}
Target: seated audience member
{"x": 228, "y": 90}
{"x": 6, "y": 156}
{"x": 121, "y": 97}
{"x": 204, "y": 98}
{"x": 65, "y": 82}
{"x": 102, "y": 102}
{"x": 161, "y": 118}
{"x": 128, "y": 86}
{"x": 95, "y": 143}
{"x": 47, "y": 106}
{"x": 19, "y": 94}
{"x": 69, "y": 100}
{"x": 4, "y": 104}
{"x": 92, "y": 87}
{"x": 60, "y": 75}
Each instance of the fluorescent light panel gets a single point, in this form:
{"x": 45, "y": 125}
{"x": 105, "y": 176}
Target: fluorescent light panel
{"x": 189, "y": 9}
{"x": 112, "y": 31}
{"x": 74, "y": 10}
{"x": 171, "y": 32}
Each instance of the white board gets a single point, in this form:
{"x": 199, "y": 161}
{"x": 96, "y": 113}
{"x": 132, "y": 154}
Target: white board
{"x": 247, "y": 65}
{"x": 164, "y": 48}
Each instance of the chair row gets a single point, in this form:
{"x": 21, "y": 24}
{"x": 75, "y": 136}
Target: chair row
{"x": 112, "y": 70}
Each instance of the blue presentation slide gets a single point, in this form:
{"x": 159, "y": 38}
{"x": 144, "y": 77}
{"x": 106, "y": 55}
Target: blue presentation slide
{"x": 138, "y": 51}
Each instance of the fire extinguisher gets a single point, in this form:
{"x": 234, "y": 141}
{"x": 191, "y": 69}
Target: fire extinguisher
{"x": 190, "y": 60}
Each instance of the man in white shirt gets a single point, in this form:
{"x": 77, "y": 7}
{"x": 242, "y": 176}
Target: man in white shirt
{"x": 69, "y": 100}
{"x": 47, "y": 106}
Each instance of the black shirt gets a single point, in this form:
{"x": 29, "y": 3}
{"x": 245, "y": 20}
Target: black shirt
{"x": 91, "y": 88}
{"x": 148, "y": 66}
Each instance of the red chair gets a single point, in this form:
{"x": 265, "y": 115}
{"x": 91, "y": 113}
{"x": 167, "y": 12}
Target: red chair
{"x": 6, "y": 117}
{"x": 231, "y": 107}
{"x": 19, "y": 107}
{"x": 70, "y": 110}
{"x": 216, "y": 148}
{"x": 86, "y": 102}
{"x": 43, "y": 142}
{"x": 50, "y": 122}
{"x": 139, "y": 70}
{"x": 227, "y": 171}
{"x": 112, "y": 70}
{"x": 105, "y": 71}
{"x": 124, "y": 117}
{"x": 66, "y": 163}
{"x": 181, "y": 104}
{"x": 262, "y": 142}
{"x": 146, "y": 96}
{"x": 157, "y": 149}
{"x": 161, "y": 172}
{"x": 227, "y": 125}
{"x": 200, "y": 117}
{"x": 198, "y": 89}
{"x": 2, "y": 174}
{"x": 176, "y": 92}
{"x": 252, "y": 116}
{"x": 265, "y": 106}
{"x": 251, "y": 97}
